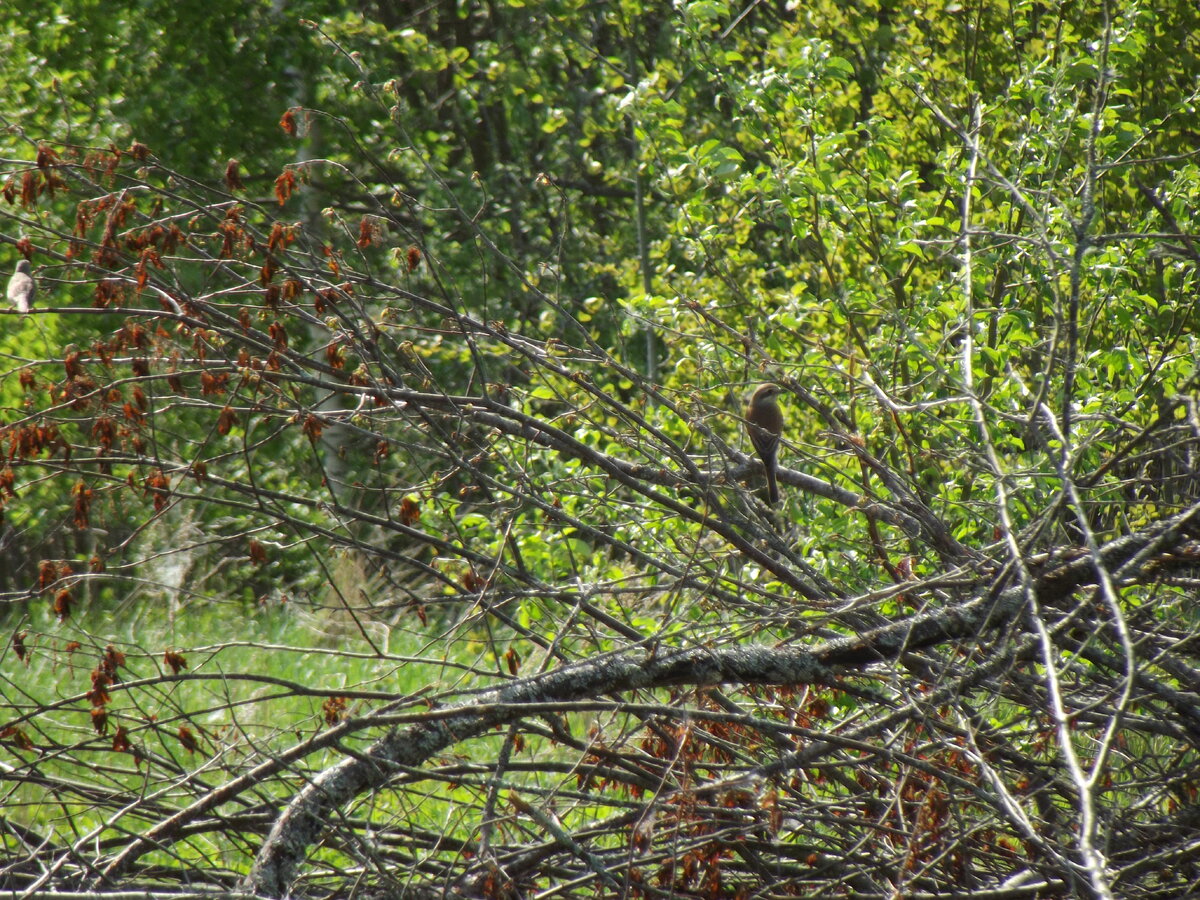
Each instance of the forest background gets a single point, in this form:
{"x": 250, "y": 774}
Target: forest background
{"x": 377, "y": 515}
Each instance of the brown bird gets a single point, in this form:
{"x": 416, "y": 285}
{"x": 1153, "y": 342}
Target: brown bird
{"x": 764, "y": 423}
{"x": 21, "y": 287}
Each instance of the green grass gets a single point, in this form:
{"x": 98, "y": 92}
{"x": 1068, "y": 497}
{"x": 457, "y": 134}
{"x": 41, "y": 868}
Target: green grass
{"x": 256, "y": 681}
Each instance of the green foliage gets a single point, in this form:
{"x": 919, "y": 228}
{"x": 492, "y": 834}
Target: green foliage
{"x": 200, "y": 81}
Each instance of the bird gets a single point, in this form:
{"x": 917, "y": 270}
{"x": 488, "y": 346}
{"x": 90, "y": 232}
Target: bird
{"x": 21, "y": 287}
{"x": 764, "y": 424}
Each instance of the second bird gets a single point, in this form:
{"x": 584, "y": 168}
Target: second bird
{"x": 764, "y": 423}
{"x": 21, "y": 288}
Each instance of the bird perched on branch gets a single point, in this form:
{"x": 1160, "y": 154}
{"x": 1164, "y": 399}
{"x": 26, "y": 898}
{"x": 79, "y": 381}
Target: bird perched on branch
{"x": 764, "y": 423}
{"x": 21, "y": 287}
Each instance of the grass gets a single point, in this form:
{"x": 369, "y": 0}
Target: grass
{"x": 257, "y": 680}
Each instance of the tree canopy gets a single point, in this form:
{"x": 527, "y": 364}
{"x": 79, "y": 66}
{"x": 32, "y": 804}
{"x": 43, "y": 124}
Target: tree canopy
{"x": 378, "y": 512}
